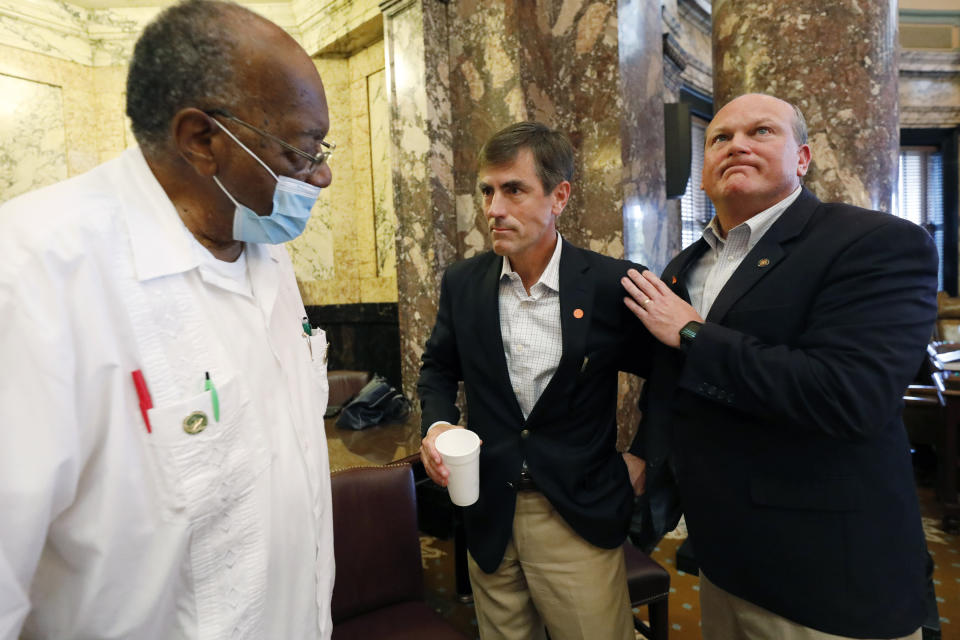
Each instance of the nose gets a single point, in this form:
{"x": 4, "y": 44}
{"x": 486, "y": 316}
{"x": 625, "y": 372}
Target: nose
{"x": 321, "y": 176}
{"x": 494, "y": 207}
{"x": 738, "y": 144}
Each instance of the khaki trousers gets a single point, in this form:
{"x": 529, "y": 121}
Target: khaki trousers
{"x": 724, "y": 616}
{"x": 551, "y": 577}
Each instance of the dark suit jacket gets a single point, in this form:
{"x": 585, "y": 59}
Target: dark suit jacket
{"x": 785, "y": 416}
{"x": 569, "y": 439}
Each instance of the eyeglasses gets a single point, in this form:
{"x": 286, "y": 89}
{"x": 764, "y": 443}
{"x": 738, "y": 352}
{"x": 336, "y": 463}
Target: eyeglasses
{"x": 316, "y": 159}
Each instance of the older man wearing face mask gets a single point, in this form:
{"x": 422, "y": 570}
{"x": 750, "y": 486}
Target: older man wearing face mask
{"x": 163, "y": 467}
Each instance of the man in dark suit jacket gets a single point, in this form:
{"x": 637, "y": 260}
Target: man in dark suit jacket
{"x": 784, "y": 404}
{"x": 537, "y": 331}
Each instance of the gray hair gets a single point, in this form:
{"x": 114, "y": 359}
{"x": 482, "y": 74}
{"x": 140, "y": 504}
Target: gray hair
{"x": 799, "y": 125}
{"x": 184, "y": 58}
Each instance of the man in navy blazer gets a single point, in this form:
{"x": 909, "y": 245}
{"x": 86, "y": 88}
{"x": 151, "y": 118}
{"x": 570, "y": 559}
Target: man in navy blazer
{"x": 788, "y": 335}
{"x": 537, "y": 331}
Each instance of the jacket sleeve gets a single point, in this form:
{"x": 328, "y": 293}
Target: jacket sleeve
{"x": 861, "y": 343}
{"x": 639, "y": 343}
{"x": 440, "y": 367}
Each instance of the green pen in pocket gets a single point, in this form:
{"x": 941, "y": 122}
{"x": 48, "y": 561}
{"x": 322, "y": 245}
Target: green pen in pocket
{"x": 214, "y": 399}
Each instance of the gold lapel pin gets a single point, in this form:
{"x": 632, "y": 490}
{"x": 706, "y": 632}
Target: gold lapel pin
{"x": 673, "y": 280}
{"x": 195, "y": 422}
{"x": 763, "y": 262}
{"x": 578, "y": 313}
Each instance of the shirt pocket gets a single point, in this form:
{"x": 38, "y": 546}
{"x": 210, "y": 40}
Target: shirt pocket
{"x": 202, "y": 464}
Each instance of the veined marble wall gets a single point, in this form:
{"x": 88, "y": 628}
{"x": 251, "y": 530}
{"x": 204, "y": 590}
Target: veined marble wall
{"x": 32, "y": 136}
{"x": 348, "y": 252}
{"x": 86, "y": 128}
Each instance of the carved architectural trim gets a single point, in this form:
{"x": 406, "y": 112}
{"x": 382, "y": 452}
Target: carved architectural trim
{"x": 697, "y": 13}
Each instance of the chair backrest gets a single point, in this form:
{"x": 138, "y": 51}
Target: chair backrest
{"x": 375, "y": 539}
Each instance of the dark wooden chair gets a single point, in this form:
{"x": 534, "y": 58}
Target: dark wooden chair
{"x": 649, "y": 586}
{"x": 379, "y": 590}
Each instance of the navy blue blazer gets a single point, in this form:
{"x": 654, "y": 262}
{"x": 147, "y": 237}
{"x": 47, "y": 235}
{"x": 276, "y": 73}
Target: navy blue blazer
{"x": 569, "y": 438}
{"x": 784, "y": 420}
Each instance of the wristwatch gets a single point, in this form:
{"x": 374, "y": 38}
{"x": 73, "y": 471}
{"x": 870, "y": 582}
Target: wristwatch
{"x": 689, "y": 333}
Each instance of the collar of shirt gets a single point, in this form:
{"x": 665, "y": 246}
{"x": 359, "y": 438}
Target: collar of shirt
{"x": 550, "y": 277}
{"x": 162, "y": 244}
{"x": 754, "y": 226}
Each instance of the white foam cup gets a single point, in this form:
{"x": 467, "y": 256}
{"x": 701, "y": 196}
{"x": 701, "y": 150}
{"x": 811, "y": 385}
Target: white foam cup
{"x": 460, "y": 450}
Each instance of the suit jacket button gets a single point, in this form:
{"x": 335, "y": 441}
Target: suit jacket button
{"x": 525, "y": 433}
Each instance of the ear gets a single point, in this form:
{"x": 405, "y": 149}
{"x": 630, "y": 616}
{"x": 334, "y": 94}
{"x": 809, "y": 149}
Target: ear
{"x": 194, "y": 137}
{"x": 803, "y": 160}
{"x": 561, "y": 195}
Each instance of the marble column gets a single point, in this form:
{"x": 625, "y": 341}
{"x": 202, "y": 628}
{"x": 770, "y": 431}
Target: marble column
{"x": 651, "y": 236}
{"x": 837, "y": 61}
{"x": 415, "y": 39}
{"x": 649, "y": 239}
{"x": 555, "y": 62}
{"x": 464, "y": 70}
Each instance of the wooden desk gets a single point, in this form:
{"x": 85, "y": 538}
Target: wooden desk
{"x": 947, "y": 382}
{"x": 373, "y": 446}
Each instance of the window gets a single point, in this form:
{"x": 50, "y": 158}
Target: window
{"x": 920, "y": 193}
{"x": 696, "y": 210}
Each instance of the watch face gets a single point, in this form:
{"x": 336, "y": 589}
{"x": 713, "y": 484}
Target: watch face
{"x": 689, "y": 331}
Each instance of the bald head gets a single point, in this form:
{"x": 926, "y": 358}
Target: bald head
{"x": 799, "y": 124}
{"x": 203, "y": 54}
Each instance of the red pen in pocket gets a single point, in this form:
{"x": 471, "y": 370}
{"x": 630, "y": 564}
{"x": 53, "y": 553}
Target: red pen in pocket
{"x": 144, "y": 395}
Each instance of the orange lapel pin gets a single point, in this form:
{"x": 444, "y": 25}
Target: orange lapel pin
{"x": 578, "y": 313}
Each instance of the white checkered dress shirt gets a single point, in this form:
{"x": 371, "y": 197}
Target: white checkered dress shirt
{"x": 530, "y": 327}
{"x": 709, "y": 275}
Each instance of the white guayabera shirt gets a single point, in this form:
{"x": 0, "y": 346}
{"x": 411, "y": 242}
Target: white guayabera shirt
{"x": 106, "y": 530}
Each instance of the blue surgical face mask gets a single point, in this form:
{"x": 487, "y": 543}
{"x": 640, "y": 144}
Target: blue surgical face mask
{"x": 292, "y": 201}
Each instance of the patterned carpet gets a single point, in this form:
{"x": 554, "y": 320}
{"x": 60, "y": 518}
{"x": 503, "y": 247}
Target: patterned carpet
{"x": 684, "y": 599}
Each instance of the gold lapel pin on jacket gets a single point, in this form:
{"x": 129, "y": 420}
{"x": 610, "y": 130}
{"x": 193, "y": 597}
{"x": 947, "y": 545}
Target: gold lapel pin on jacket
{"x": 578, "y": 313}
{"x": 763, "y": 262}
{"x": 673, "y": 280}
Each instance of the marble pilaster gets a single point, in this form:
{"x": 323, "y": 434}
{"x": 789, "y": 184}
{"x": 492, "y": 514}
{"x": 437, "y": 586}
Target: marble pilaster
{"x": 417, "y": 88}
{"x": 650, "y": 237}
{"x": 837, "y": 61}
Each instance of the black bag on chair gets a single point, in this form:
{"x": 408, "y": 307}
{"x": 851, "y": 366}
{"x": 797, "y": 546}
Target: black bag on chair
{"x": 377, "y": 402}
